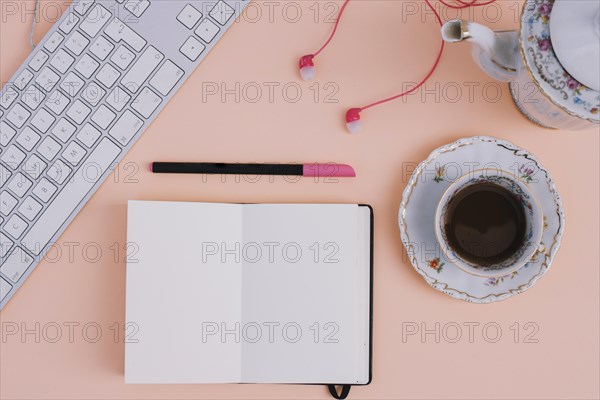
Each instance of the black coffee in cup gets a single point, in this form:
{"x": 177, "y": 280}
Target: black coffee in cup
{"x": 485, "y": 224}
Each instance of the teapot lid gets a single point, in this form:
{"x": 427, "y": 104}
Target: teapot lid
{"x": 575, "y": 35}
{"x": 562, "y": 83}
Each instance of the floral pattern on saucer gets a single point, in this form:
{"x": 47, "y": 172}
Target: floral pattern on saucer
{"x": 419, "y": 203}
{"x": 545, "y": 68}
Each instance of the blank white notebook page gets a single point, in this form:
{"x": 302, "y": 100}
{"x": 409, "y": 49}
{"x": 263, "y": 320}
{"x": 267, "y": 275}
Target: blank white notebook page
{"x": 256, "y": 293}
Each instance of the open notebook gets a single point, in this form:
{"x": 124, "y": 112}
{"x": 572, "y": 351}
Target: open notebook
{"x": 248, "y": 293}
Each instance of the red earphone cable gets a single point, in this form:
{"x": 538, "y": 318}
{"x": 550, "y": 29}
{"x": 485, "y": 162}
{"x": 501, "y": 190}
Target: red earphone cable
{"x": 463, "y": 4}
{"x": 335, "y": 26}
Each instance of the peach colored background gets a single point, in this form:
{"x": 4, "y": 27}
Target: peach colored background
{"x": 395, "y": 47}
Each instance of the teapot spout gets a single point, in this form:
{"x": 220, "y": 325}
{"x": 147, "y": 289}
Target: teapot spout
{"x": 497, "y": 53}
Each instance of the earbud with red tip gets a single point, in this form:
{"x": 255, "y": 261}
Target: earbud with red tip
{"x": 307, "y": 67}
{"x": 353, "y": 123}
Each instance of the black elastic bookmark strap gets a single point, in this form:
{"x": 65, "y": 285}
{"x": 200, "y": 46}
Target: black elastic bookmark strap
{"x": 342, "y": 395}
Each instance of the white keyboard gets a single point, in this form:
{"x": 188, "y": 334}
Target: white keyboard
{"x": 80, "y": 101}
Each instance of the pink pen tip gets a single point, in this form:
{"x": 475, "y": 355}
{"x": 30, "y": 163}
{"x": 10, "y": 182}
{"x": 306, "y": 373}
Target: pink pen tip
{"x": 151, "y": 169}
{"x": 328, "y": 170}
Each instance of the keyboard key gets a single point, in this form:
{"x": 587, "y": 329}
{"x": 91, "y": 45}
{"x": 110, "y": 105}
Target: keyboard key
{"x": 73, "y": 153}
{"x": 87, "y": 66}
{"x": 53, "y": 41}
{"x": 77, "y": 43}
{"x": 33, "y": 97}
{"x": 82, "y": 6}
{"x": 92, "y": 94}
{"x": 34, "y": 166}
{"x": 62, "y": 61}
{"x": 122, "y": 57}
{"x": 5, "y": 245}
{"x": 126, "y": 127}
{"x": 222, "y": 12}
{"x": 49, "y": 148}
{"x": 137, "y": 7}
{"x": 78, "y": 112}
{"x": 8, "y": 97}
{"x": 28, "y": 138}
{"x": 207, "y": 30}
{"x": 63, "y": 130}
{"x": 59, "y": 171}
{"x": 95, "y": 20}
{"x": 16, "y": 264}
{"x": 189, "y": 16}
{"x": 4, "y": 175}
{"x": 103, "y": 117}
{"x": 44, "y": 190}
{"x": 102, "y": 48}
{"x": 43, "y": 120}
{"x": 192, "y": 48}
{"x": 6, "y": 133}
{"x": 30, "y": 208}
{"x": 72, "y": 84}
{"x": 13, "y": 157}
{"x": 47, "y": 79}
{"x": 142, "y": 69}
{"x": 15, "y": 226}
{"x": 108, "y": 75}
{"x": 118, "y": 31}
{"x": 5, "y": 288}
{"x": 19, "y": 184}
{"x": 18, "y": 115}
{"x": 166, "y": 77}
{"x": 70, "y": 197}
{"x": 38, "y": 60}
{"x": 23, "y": 79}
{"x": 69, "y": 23}
{"x": 146, "y": 102}
{"x": 7, "y": 202}
{"x": 57, "y": 102}
{"x": 88, "y": 135}
{"x": 118, "y": 99}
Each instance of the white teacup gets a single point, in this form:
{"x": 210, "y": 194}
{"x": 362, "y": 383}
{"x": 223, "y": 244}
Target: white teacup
{"x": 534, "y": 222}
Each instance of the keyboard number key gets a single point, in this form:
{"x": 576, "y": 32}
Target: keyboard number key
{"x": 6, "y": 133}
{"x": 53, "y": 42}
{"x": 69, "y": 23}
{"x": 18, "y": 115}
{"x": 38, "y": 60}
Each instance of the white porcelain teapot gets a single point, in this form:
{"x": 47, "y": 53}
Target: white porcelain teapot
{"x": 552, "y": 62}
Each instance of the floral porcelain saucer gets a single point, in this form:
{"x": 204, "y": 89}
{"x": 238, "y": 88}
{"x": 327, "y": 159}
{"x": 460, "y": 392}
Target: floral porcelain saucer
{"x": 548, "y": 72}
{"x": 424, "y": 190}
